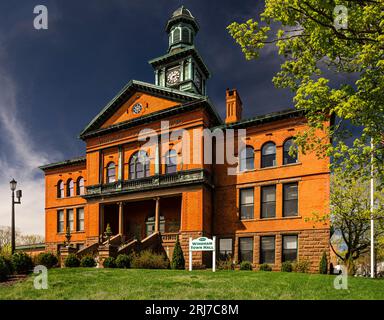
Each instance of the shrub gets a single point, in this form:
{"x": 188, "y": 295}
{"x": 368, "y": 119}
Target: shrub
{"x": 6, "y": 251}
{"x": 47, "y": 259}
{"x": 225, "y": 263}
{"x": 286, "y": 266}
{"x": 149, "y": 260}
{"x": 301, "y": 266}
{"x": 323, "y": 266}
{"x": 71, "y": 261}
{"x": 8, "y": 262}
{"x": 123, "y": 261}
{"x": 178, "y": 261}
{"x": 110, "y": 262}
{"x": 87, "y": 262}
{"x": 246, "y": 265}
{"x": 265, "y": 267}
{"x": 22, "y": 263}
{"x": 5, "y": 270}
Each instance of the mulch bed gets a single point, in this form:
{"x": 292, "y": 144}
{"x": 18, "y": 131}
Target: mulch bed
{"x": 13, "y": 280}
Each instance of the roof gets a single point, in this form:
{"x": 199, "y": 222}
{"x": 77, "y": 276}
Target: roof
{"x": 269, "y": 117}
{"x": 182, "y": 14}
{"x": 31, "y": 246}
{"x": 188, "y": 50}
{"x": 127, "y": 91}
{"x": 74, "y": 161}
{"x": 182, "y": 11}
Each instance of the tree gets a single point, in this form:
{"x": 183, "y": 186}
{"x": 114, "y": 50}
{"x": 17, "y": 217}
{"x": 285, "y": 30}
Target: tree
{"x": 178, "y": 261}
{"x": 5, "y": 239}
{"x": 30, "y": 239}
{"x": 350, "y": 217}
{"x": 5, "y": 236}
{"x": 315, "y": 46}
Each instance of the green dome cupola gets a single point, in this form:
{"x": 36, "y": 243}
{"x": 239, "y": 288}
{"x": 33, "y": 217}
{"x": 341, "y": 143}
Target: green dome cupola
{"x": 181, "y": 28}
{"x": 181, "y": 68}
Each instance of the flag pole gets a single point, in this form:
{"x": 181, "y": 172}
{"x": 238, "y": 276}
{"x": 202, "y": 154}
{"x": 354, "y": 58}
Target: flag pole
{"x": 372, "y": 220}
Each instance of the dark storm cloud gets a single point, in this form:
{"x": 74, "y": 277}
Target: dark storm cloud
{"x": 66, "y": 74}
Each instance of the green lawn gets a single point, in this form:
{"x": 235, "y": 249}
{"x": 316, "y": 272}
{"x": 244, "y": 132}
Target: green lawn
{"x": 168, "y": 284}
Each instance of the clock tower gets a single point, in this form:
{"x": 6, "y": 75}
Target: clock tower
{"x": 182, "y": 67}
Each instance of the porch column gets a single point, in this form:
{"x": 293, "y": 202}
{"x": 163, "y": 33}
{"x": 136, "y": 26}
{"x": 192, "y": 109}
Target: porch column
{"x": 101, "y": 222}
{"x": 157, "y": 217}
{"x": 121, "y": 218}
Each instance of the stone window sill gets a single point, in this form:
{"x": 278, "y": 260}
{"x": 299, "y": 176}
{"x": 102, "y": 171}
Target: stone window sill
{"x": 270, "y": 219}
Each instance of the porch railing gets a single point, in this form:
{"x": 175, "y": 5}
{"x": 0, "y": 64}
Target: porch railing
{"x": 157, "y": 181}
{"x": 169, "y": 236}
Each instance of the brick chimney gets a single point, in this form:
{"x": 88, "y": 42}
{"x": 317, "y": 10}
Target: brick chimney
{"x": 234, "y": 106}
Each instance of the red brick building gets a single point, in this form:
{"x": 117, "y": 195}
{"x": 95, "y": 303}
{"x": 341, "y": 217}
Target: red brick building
{"x": 148, "y": 197}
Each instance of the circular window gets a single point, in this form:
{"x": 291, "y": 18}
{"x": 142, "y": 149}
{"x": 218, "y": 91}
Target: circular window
{"x": 137, "y": 108}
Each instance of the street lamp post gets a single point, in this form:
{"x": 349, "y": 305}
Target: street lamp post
{"x": 13, "y": 185}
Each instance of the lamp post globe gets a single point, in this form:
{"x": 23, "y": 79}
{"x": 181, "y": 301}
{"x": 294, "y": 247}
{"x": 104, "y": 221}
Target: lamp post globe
{"x": 13, "y": 184}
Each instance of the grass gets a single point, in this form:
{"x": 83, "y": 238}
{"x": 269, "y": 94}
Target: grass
{"x": 82, "y": 283}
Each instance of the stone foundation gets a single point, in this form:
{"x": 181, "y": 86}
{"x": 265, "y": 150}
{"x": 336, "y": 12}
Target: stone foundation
{"x": 64, "y": 253}
{"x": 105, "y": 252}
{"x": 311, "y": 245}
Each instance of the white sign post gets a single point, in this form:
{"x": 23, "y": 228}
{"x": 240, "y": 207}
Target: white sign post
{"x": 203, "y": 244}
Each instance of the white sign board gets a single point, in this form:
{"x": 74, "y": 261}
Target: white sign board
{"x": 203, "y": 244}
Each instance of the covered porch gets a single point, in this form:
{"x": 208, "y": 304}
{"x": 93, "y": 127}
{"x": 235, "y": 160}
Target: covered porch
{"x": 138, "y": 219}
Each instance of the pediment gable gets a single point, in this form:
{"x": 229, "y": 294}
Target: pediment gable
{"x": 138, "y": 105}
{"x": 152, "y": 99}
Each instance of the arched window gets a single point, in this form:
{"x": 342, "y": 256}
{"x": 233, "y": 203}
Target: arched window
{"x": 70, "y": 188}
{"x": 139, "y": 165}
{"x": 176, "y": 35}
{"x": 287, "y": 158}
{"x": 171, "y": 161}
{"x": 111, "y": 172}
{"x": 268, "y": 155}
{"x": 185, "y": 35}
{"x": 80, "y": 190}
{"x": 60, "y": 189}
{"x": 247, "y": 159}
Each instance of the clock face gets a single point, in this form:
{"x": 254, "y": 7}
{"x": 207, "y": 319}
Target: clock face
{"x": 173, "y": 76}
{"x": 137, "y": 108}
